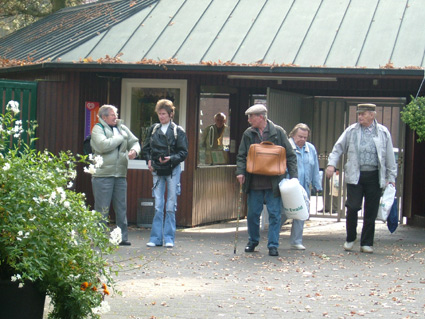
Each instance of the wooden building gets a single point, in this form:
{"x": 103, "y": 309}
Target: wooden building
{"x": 309, "y": 61}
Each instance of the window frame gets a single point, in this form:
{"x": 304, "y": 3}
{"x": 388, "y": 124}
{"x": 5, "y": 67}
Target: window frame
{"x": 126, "y": 87}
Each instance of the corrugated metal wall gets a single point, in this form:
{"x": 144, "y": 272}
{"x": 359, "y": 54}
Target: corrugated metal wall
{"x": 215, "y": 195}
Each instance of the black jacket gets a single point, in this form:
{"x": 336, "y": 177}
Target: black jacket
{"x": 160, "y": 144}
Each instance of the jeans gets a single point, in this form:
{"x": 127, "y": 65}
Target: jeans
{"x": 107, "y": 189}
{"x": 368, "y": 186}
{"x": 164, "y": 230}
{"x": 256, "y": 199}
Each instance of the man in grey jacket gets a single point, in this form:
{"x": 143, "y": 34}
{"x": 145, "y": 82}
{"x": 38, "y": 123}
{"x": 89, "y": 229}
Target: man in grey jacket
{"x": 370, "y": 167}
{"x": 116, "y": 144}
{"x": 262, "y": 188}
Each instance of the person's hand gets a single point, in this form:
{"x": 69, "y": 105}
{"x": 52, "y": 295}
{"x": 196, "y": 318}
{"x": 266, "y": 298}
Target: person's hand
{"x": 165, "y": 159}
{"x": 330, "y": 170}
{"x": 132, "y": 154}
{"x": 150, "y": 166}
{"x": 241, "y": 179}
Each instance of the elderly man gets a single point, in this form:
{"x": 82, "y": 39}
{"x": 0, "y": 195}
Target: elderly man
{"x": 308, "y": 175}
{"x": 116, "y": 144}
{"x": 262, "y": 188}
{"x": 370, "y": 167}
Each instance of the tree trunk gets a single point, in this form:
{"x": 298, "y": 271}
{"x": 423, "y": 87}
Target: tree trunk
{"x": 58, "y": 4}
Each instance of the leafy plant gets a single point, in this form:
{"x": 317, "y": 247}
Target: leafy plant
{"x": 47, "y": 233}
{"x": 413, "y": 115}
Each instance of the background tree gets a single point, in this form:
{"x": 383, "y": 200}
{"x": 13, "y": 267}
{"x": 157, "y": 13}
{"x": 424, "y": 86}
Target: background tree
{"x": 16, "y": 14}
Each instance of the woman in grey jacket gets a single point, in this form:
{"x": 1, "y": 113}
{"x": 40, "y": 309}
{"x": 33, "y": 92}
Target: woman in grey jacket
{"x": 116, "y": 144}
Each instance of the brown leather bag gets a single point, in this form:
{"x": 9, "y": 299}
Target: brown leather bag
{"x": 266, "y": 158}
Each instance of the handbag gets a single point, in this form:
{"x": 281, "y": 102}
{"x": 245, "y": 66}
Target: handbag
{"x": 386, "y": 203}
{"x": 266, "y": 158}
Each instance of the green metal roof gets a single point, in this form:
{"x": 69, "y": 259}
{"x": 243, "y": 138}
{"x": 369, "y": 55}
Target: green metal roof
{"x": 304, "y": 33}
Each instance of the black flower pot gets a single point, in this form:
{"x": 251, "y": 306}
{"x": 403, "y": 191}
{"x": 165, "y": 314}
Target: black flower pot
{"x": 21, "y": 303}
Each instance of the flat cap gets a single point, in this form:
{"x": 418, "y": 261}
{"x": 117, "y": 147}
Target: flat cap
{"x": 365, "y": 107}
{"x": 256, "y": 109}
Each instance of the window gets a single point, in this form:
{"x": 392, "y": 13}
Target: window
{"x": 214, "y": 129}
{"x": 139, "y": 97}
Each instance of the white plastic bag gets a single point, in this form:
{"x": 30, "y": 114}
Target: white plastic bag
{"x": 386, "y": 203}
{"x": 293, "y": 199}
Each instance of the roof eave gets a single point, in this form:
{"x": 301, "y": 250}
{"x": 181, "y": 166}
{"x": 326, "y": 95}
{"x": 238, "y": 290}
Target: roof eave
{"x": 230, "y": 69}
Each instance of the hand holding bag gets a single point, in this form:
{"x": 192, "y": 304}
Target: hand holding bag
{"x": 266, "y": 158}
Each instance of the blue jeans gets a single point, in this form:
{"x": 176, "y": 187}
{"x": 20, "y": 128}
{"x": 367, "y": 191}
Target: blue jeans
{"x": 164, "y": 230}
{"x": 107, "y": 189}
{"x": 256, "y": 199}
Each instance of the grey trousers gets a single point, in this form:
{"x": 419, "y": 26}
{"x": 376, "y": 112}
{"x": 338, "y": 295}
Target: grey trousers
{"x": 107, "y": 189}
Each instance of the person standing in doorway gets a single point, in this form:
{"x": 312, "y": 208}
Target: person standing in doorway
{"x": 262, "y": 188}
{"x": 370, "y": 167}
{"x": 164, "y": 149}
{"x": 308, "y": 175}
{"x": 213, "y": 141}
{"x": 116, "y": 144}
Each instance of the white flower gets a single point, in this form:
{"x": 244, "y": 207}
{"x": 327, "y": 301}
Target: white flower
{"x": 91, "y": 169}
{"x": 70, "y": 184}
{"x": 6, "y": 166}
{"x": 20, "y": 233}
{"x": 13, "y": 106}
{"x": 98, "y": 161}
{"x": 15, "y": 278}
{"x": 116, "y": 236}
{"x": 66, "y": 204}
{"x": 103, "y": 308}
{"x": 20, "y": 284}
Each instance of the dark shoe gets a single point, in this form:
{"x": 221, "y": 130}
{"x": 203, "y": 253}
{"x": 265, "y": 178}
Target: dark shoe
{"x": 334, "y": 212}
{"x": 249, "y": 248}
{"x": 125, "y": 243}
{"x": 321, "y": 211}
{"x": 273, "y": 251}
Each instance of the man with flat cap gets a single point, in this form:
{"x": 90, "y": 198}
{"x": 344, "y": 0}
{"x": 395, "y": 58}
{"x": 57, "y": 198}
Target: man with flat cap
{"x": 370, "y": 167}
{"x": 263, "y": 189}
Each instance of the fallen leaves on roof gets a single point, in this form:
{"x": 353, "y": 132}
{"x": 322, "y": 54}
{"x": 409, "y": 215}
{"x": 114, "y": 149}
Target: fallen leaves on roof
{"x": 7, "y": 63}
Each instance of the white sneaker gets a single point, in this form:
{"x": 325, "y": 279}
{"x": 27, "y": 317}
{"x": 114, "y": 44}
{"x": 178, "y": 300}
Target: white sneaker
{"x": 150, "y": 244}
{"x": 298, "y": 247}
{"x": 348, "y": 245}
{"x": 366, "y": 249}
{"x": 169, "y": 245}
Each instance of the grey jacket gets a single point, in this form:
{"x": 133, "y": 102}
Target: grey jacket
{"x": 113, "y": 149}
{"x": 277, "y": 135}
{"x": 348, "y": 143}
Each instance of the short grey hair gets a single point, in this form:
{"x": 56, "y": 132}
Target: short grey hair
{"x": 104, "y": 110}
{"x": 299, "y": 126}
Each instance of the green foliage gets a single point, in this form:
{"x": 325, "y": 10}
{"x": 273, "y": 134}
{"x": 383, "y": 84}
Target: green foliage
{"x": 47, "y": 233}
{"x": 16, "y": 14}
{"x": 413, "y": 115}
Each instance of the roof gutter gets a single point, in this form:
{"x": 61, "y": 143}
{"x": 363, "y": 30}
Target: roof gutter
{"x": 234, "y": 71}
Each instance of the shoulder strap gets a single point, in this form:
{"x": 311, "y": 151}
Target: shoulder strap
{"x": 155, "y": 128}
{"x": 157, "y": 125}
{"x": 100, "y": 124}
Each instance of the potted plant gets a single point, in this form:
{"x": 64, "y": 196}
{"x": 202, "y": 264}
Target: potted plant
{"x": 48, "y": 236}
{"x": 413, "y": 115}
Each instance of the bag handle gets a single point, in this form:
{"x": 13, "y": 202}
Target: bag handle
{"x": 267, "y": 143}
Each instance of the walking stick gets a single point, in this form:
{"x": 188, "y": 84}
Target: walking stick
{"x": 237, "y": 220}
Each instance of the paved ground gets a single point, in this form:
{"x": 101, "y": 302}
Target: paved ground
{"x": 201, "y": 277}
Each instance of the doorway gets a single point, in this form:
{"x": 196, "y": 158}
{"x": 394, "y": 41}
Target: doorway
{"x": 327, "y": 118}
